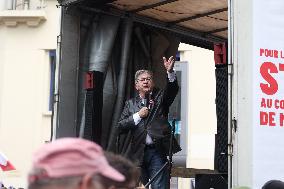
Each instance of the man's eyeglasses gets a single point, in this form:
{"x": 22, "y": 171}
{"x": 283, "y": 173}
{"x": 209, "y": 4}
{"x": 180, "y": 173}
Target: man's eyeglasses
{"x": 145, "y": 79}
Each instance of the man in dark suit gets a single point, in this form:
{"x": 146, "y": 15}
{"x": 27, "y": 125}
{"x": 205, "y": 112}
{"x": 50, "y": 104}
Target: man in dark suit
{"x": 146, "y": 117}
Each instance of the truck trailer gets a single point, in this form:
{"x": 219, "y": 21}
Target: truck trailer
{"x": 103, "y": 42}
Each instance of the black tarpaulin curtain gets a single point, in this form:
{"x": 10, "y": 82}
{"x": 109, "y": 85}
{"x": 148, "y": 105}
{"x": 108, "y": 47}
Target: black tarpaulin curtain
{"x": 114, "y": 49}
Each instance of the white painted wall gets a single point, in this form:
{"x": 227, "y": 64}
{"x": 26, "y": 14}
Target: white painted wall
{"x": 24, "y": 91}
{"x": 2, "y": 5}
{"x": 202, "y": 121}
{"x": 242, "y": 92}
{"x": 202, "y": 109}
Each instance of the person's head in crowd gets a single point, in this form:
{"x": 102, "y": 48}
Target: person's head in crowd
{"x": 273, "y": 184}
{"x": 126, "y": 168}
{"x": 71, "y": 163}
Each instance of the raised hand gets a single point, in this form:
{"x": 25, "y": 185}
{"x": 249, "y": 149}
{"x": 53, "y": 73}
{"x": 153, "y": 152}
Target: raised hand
{"x": 169, "y": 64}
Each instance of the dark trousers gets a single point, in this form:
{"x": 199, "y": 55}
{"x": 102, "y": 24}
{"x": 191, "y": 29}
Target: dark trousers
{"x": 152, "y": 163}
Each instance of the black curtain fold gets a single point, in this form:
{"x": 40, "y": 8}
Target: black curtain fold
{"x": 133, "y": 47}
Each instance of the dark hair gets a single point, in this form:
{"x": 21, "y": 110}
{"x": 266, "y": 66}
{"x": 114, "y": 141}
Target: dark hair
{"x": 273, "y": 184}
{"x": 129, "y": 170}
{"x": 68, "y": 182}
{"x": 48, "y": 182}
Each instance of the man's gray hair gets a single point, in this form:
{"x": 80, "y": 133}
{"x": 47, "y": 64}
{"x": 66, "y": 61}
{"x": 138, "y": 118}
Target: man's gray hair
{"x": 140, "y": 72}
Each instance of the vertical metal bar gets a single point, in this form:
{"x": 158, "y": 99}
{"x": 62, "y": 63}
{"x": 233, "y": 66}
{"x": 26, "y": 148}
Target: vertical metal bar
{"x": 55, "y": 118}
{"x": 85, "y": 30}
{"x": 14, "y": 4}
{"x": 230, "y": 84}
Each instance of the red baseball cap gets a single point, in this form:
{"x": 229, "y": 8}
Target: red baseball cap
{"x": 71, "y": 157}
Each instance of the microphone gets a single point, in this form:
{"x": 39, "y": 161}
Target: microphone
{"x": 149, "y": 101}
{"x": 146, "y": 104}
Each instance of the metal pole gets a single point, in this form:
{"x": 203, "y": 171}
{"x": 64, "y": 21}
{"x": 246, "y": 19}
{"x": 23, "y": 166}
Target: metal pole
{"x": 230, "y": 93}
{"x": 171, "y": 152}
{"x": 14, "y": 4}
{"x": 154, "y": 177}
{"x": 54, "y": 117}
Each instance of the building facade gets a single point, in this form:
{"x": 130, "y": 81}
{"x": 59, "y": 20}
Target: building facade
{"x": 202, "y": 121}
{"x": 28, "y": 30}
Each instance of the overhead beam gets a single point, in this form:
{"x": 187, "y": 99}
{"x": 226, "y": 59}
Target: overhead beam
{"x": 185, "y": 32}
{"x": 198, "y": 16}
{"x": 68, "y": 2}
{"x": 217, "y": 30}
{"x": 152, "y": 6}
{"x": 72, "y": 2}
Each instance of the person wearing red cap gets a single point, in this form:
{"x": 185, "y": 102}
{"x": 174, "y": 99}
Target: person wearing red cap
{"x": 71, "y": 163}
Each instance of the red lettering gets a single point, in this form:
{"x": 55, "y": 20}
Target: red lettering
{"x": 261, "y": 52}
{"x": 271, "y": 119}
{"x": 279, "y": 104}
{"x": 263, "y": 104}
{"x": 275, "y": 54}
{"x": 282, "y": 104}
{"x": 269, "y": 103}
{"x": 263, "y": 118}
{"x": 276, "y": 104}
{"x": 281, "y": 117}
{"x": 269, "y": 53}
{"x": 267, "y": 118}
{"x": 281, "y": 67}
{"x": 272, "y": 86}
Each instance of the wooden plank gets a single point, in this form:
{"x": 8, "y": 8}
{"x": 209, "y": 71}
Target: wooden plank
{"x": 192, "y": 13}
{"x": 205, "y": 24}
{"x": 190, "y": 172}
{"x": 183, "y": 172}
{"x": 217, "y": 30}
{"x": 200, "y": 15}
{"x": 152, "y": 5}
{"x": 129, "y": 5}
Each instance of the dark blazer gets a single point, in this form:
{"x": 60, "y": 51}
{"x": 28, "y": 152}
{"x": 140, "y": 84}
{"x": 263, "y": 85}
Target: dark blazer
{"x": 155, "y": 124}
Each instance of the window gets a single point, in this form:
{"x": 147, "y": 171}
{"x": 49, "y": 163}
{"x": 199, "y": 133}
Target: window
{"x": 178, "y": 111}
{"x": 178, "y": 56}
{"x": 17, "y": 4}
{"x": 52, "y": 61}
